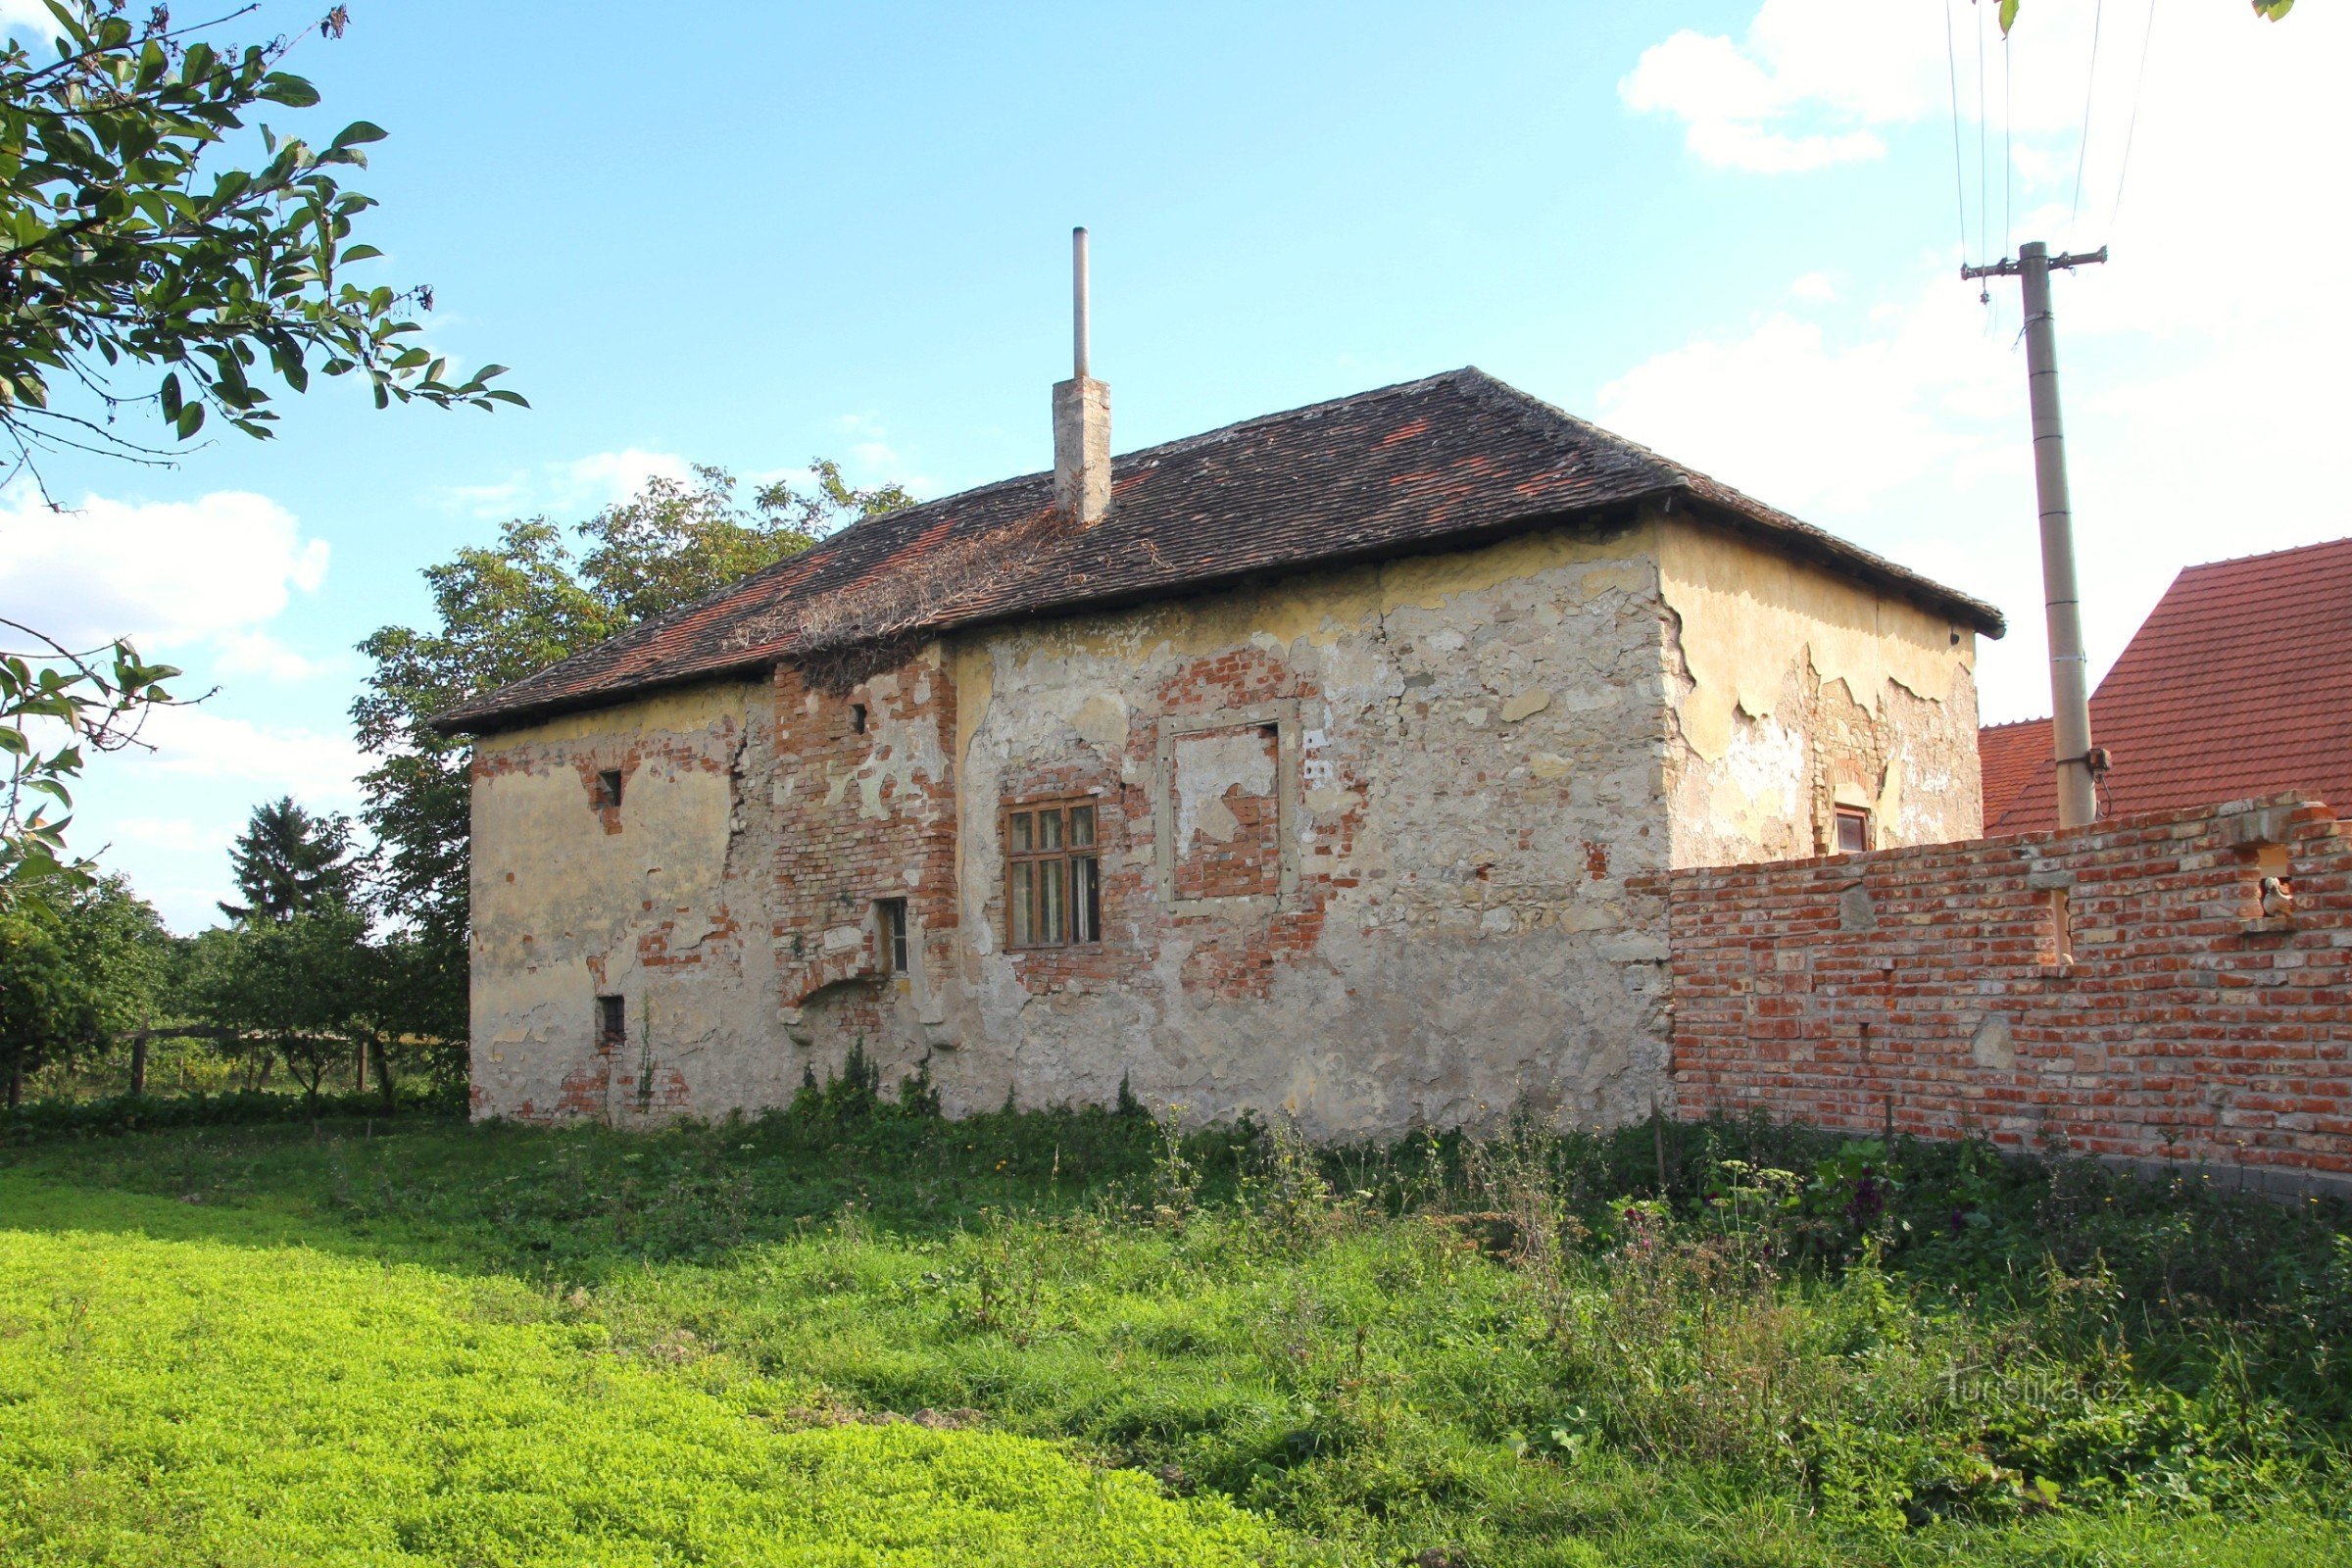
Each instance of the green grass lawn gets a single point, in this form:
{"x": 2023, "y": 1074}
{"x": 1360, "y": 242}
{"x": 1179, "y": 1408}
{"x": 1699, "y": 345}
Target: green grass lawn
{"x": 840, "y": 1336}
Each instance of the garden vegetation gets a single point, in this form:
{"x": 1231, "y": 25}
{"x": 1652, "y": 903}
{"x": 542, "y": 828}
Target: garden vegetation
{"x": 857, "y": 1332}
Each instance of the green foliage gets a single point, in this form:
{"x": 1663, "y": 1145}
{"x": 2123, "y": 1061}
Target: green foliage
{"x": 48, "y": 1001}
{"x": 56, "y": 707}
{"x": 305, "y": 987}
{"x": 288, "y": 863}
{"x": 136, "y": 244}
{"x": 118, "y": 943}
{"x": 855, "y": 1094}
{"x": 134, "y": 238}
{"x": 1504, "y": 1352}
{"x": 505, "y": 610}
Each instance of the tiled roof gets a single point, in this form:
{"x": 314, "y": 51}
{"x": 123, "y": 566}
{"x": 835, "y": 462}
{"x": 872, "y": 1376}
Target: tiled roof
{"x": 2238, "y": 684}
{"x": 2008, "y": 756}
{"x": 1428, "y": 464}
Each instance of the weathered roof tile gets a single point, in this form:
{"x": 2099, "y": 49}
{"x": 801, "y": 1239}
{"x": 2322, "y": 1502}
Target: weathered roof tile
{"x": 1404, "y": 468}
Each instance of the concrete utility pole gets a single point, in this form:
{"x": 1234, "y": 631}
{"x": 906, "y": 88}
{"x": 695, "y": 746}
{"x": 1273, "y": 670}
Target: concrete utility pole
{"x": 2080, "y": 764}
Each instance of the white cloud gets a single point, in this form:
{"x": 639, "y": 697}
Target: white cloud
{"x": 175, "y": 833}
{"x": 1803, "y": 419}
{"x": 611, "y": 476}
{"x": 165, "y": 573}
{"x": 1813, "y": 286}
{"x": 321, "y": 769}
{"x": 2203, "y": 409}
{"x": 257, "y": 653}
{"x": 581, "y": 485}
{"x": 1812, "y": 78}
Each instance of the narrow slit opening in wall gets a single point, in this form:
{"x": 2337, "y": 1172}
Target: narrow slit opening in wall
{"x": 612, "y": 1023}
{"x": 856, "y": 718}
{"x": 2062, "y": 926}
{"x": 608, "y": 789}
{"x": 890, "y": 935}
{"x": 2274, "y": 882}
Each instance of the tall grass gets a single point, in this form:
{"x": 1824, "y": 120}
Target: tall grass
{"x": 1518, "y": 1350}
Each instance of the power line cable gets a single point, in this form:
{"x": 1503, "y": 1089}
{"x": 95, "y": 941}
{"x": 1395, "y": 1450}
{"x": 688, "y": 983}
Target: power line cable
{"x": 2090, "y": 90}
{"x": 1983, "y": 186}
{"x": 2131, "y": 127}
{"x": 2008, "y": 146}
{"x": 1951, "y": 61}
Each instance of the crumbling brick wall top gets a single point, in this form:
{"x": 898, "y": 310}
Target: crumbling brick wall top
{"x": 2173, "y": 987}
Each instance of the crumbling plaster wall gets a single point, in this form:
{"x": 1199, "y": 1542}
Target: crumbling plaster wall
{"x": 1443, "y": 898}
{"x": 1472, "y": 748}
{"x": 656, "y": 902}
{"x": 1794, "y": 691}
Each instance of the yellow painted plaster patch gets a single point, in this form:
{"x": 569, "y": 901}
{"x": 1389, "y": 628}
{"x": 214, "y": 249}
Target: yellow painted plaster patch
{"x": 1321, "y": 607}
{"x": 678, "y": 712}
{"x": 1749, "y": 614}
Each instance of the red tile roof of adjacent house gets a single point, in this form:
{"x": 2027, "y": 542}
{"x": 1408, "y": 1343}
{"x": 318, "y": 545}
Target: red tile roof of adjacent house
{"x": 2008, "y": 756}
{"x": 1441, "y": 462}
{"x": 2238, "y": 684}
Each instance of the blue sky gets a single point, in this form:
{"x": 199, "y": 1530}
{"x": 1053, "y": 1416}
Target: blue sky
{"x": 772, "y": 231}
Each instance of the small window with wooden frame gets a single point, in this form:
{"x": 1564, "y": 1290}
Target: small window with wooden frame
{"x": 1053, "y": 874}
{"x": 1853, "y": 830}
{"x": 890, "y": 937}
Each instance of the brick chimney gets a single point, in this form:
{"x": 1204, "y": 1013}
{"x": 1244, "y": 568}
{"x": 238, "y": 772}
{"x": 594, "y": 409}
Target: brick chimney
{"x": 1080, "y": 416}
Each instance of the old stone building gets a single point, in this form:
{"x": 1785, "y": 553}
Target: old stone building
{"x": 1328, "y": 764}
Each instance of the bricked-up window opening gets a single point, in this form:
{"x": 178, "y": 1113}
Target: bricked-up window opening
{"x": 1853, "y": 830}
{"x": 890, "y": 935}
{"x": 612, "y": 1023}
{"x": 858, "y": 718}
{"x": 608, "y": 789}
{"x": 2062, "y": 926}
{"x": 1053, "y": 878}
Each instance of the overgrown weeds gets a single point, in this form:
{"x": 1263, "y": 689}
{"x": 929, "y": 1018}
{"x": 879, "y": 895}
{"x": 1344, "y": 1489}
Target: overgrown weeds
{"x": 1509, "y": 1350}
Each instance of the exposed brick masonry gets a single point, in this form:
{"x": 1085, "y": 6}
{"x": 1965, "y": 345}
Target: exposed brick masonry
{"x": 2189, "y": 1025}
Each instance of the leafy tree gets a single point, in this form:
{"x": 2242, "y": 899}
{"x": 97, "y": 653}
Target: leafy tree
{"x": 151, "y": 263}
{"x": 49, "y": 1010}
{"x": 673, "y": 542}
{"x": 289, "y": 863}
{"x": 116, "y": 938}
{"x": 306, "y": 988}
{"x": 503, "y": 612}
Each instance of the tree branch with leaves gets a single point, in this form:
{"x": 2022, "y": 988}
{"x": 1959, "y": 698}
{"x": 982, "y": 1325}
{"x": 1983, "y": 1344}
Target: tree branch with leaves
{"x": 57, "y": 707}
{"x": 142, "y": 262}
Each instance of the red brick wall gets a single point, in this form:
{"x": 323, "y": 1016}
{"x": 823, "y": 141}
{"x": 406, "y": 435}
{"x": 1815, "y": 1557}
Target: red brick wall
{"x": 836, "y": 854}
{"x": 2188, "y": 1025}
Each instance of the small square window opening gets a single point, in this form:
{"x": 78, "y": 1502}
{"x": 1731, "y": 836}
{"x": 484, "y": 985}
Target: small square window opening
{"x": 608, "y": 789}
{"x": 890, "y": 935}
{"x": 1853, "y": 830}
{"x": 612, "y": 1023}
{"x": 1052, "y": 877}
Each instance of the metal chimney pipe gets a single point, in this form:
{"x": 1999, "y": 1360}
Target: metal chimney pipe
{"x": 1081, "y": 415}
{"x": 1080, "y": 347}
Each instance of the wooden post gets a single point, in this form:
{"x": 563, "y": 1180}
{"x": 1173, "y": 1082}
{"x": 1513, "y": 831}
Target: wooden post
{"x": 139, "y": 1063}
